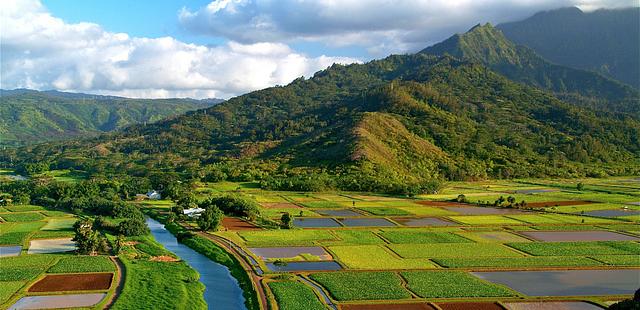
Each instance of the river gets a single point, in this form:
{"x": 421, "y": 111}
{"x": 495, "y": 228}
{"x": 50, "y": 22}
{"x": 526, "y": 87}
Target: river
{"x": 222, "y": 290}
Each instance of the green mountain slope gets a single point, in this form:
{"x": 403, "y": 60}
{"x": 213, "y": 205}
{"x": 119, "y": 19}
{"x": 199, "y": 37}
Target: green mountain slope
{"x": 606, "y": 41}
{"x": 487, "y": 45}
{"x": 30, "y": 116}
{"x": 400, "y": 120}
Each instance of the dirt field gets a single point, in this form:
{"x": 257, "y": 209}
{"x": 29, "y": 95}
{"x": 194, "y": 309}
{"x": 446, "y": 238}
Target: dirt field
{"x": 558, "y": 203}
{"x": 232, "y": 223}
{"x": 470, "y": 306}
{"x": 420, "y": 306}
{"x": 442, "y": 203}
{"x": 73, "y": 282}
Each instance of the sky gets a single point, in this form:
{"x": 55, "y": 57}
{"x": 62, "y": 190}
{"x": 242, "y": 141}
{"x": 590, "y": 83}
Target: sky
{"x": 224, "y": 48}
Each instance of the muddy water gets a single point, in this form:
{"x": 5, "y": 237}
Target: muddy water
{"x": 222, "y": 290}
{"x": 339, "y": 212}
{"x": 567, "y": 282}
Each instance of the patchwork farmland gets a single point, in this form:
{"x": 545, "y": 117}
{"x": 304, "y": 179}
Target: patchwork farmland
{"x": 445, "y": 251}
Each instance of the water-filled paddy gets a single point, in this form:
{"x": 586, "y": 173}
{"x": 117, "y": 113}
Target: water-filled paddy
{"x": 422, "y": 222}
{"x": 51, "y": 246}
{"x": 291, "y": 252}
{"x": 367, "y": 222}
{"x": 304, "y": 266}
{"x": 315, "y": 222}
{"x": 552, "y": 305}
{"x": 339, "y": 212}
{"x": 612, "y": 213}
{"x": 6, "y": 251}
{"x": 58, "y": 301}
{"x": 585, "y": 235}
{"x": 567, "y": 282}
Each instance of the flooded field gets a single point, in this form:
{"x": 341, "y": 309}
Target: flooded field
{"x": 6, "y": 251}
{"x": 422, "y": 222}
{"x": 612, "y": 213}
{"x": 585, "y": 235}
{"x": 51, "y": 246}
{"x": 58, "y": 301}
{"x": 315, "y": 222}
{"x": 291, "y": 252}
{"x": 567, "y": 282}
{"x": 304, "y": 266}
{"x": 367, "y": 222}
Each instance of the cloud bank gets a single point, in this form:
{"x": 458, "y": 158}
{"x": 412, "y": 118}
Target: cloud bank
{"x": 383, "y": 26}
{"x": 40, "y": 51}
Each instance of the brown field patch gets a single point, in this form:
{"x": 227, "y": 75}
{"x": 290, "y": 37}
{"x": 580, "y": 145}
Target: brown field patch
{"x": 73, "y": 282}
{"x": 232, "y": 223}
{"x": 279, "y": 205}
{"x": 546, "y": 204}
{"x": 164, "y": 258}
{"x": 413, "y": 306}
{"x": 442, "y": 203}
{"x": 470, "y": 306}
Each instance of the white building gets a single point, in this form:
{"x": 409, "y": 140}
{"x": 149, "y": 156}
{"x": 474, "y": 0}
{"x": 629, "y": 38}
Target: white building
{"x": 155, "y": 195}
{"x": 193, "y": 212}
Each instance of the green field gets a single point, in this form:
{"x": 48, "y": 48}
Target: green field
{"x": 83, "y": 264}
{"x": 362, "y": 285}
{"x": 448, "y": 284}
{"x": 22, "y": 217}
{"x": 446, "y": 250}
{"x": 413, "y": 236}
{"x": 578, "y": 248}
{"x": 292, "y": 295}
{"x": 376, "y": 257}
{"x": 517, "y": 262}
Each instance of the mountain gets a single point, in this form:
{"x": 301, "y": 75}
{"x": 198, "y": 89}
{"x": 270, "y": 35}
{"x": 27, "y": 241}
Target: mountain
{"x": 606, "y": 41}
{"x": 487, "y": 45}
{"x": 29, "y": 116}
{"x": 404, "y": 119}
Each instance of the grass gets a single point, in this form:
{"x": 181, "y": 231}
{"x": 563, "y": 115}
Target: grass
{"x": 384, "y": 211}
{"x": 492, "y": 237}
{"x": 288, "y": 237}
{"x": 42, "y": 261}
{"x": 277, "y": 212}
{"x": 485, "y": 220}
{"x": 9, "y": 288}
{"x": 578, "y": 248}
{"x": 55, "y": 213}
{"x": 22, "y": 217}
{"x": 451, "y": 284}
{"x": 18, "y": 273}
{"x": 52, "y": 234}
{"x": 563, "y": 227}
{"x": 160, "y": 285}
{"x": 446, "y": 250}
{"x": 74, "y": 264}
{"x": 59, "y": 224}
{"x": 427, "y": 211}
{"x": 345, "y": 286}
{"x": 322, "y": 204}
{"x": 412, "y": 236}
{"x": 13, "y": 238}
{"x": 292, "y": 295}
{"x": 355, "y": 237}
{"x": 516, "y": 262}
{"x": 619, "y": 260}
{"x": 24, "y": 208}
{"x": 375, "y": 257}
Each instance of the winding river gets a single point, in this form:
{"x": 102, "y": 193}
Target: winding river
{"x": 222, "y": 290}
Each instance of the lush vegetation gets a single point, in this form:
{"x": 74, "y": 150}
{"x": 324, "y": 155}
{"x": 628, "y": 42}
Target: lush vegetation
{"x": 513, "y": 262}
{"x": 404, "y": 236}
{"x": 376, "y": 257}
{"x": 292, "y": 295}
{"x": 446, "y": 250}
{"x": 83, "y": 264}
{"x": 578, "y": 248}
{"x": 439, "y": 284}
{"x": 362, "y": 285}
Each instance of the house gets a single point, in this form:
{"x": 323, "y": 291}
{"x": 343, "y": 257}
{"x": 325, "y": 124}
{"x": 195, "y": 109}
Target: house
{"x": 193, "y": 212}
{"x": 155, "y": 195}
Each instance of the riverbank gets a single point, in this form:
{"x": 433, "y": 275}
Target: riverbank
{"x": 216, "y": 254}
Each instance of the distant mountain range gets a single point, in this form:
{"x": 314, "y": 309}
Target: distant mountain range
{"x": 606, "y": 41}
{"x": 30, "y": 116}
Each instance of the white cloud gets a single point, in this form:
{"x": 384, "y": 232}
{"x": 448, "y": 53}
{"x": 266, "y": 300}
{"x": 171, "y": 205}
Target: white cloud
{"x": 382, "y": 26}
{"x": 41, "y": 51}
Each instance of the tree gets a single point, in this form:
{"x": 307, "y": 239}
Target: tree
{"x": 461, "y": 198}
{"x": 210, "y": 219}
{"x": 511, "y": 200}
{"x": 287, "y": 220}
{"x": 580, "y": 186}
{"x": 118, "y": 244}
{"x": 133, "y": 227}
{"x": 88, "y": 241}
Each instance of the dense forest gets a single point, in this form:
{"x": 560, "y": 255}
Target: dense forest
{"x": 30, "y": 116}
{"x": 401, "y": 124}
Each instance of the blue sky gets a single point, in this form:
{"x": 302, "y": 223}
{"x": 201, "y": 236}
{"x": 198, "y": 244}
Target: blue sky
{"x": 224, "y": 48}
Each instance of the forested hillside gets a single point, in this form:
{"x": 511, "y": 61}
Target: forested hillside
{"x": 402, "y": 120}
{"x": 30, "y": 116}
{"x": 606, "y": 41}
{"x": 487, "y": 45}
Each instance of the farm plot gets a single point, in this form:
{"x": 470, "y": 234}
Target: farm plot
{"x": 309, "y": 222}
{"x": 375, "y": 257}
{"x": 551, "y": 305}
{"x": 292, "y": 295}
{"x": 9, "y": 288}
{"x": 22, "y": 217}
{"x": 276, "y": 213}
{"x": 322, "y": 204}
{"x": 59, "y": 224}
{"x": 469, "y": 305}
{"x": 23, "y": 208}
{"x": 398, "y": 306}
{"x": 578, "y": 248}
{"x": 426, "y": 211}
{"x": 585, "y": 235}
{"x": 482, "y": 210}
{"x": 285, "y": 237}
{"x": 418, "y": 236}
{"x": 73, "y": 282}
{"x": 303, "y": 253}
{"x": 346, "y": 286}
{"x": 304, "y": 266}
{"x": 6, "y": 251}
{"x": 618, "y": 260}
{"x": 492, "y": 236}
{"x": 384, "y": 211}
{"x": 45, "y": 246}
{"x": 232, "y": 223}
{"x": 517, "y": 262}
{"x": 366, "y": 222}
{"x": 485, "y": 220}
{"x": 451, "y": 284}
{"x": 76, "y": 264}
{"x": 448, "y": 250}
{"x": 338, "y": 212}
{"x": 58, "y": 301}
{"x": 422, "y": 222}
{"x": 355, "y": 237}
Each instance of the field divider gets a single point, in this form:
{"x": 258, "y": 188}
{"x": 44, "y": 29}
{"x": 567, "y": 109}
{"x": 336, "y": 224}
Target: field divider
{"x": 319, "y": 290}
